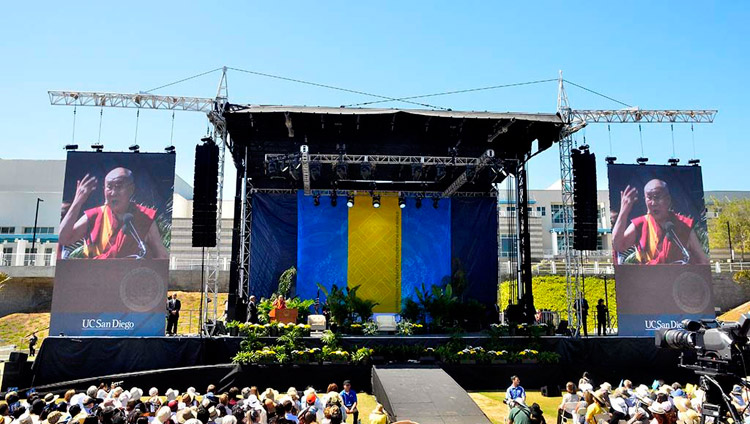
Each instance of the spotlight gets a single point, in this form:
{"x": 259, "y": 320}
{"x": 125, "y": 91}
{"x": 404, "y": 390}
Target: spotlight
{"x": 375, "y": 201}
{"x": 342, "y": 170}
{"x": 471, "y": 172}
{"x": 440, "y": 171}
{"x": 97, "y": 146}
{"x": 334, "y": 199}
{"x": 316, "y": 200}
{"x": 435, "y": 201}
{"x": 350, "y": 201}
{"x": 673, "y": 161}
{"x": 641, "y": 161}
{"x": 71, "y": 147}
{"x": 169, "y": 149}
{"x": 610, "y": 159}
{"x": 134, "y": 148}
{"x": 401, "y": 201}
{"x": 416, "y": 171}
{"x": 365, "y": 169}
{"x": 694, "y": 162}
{"x": 418, "y": 201}
{"x": 207, "y": 139}
{"x": 583, "y": 147}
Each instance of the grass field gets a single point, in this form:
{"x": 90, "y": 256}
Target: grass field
{"x": 15, "y": 328}
{"x": 491, "y": 403}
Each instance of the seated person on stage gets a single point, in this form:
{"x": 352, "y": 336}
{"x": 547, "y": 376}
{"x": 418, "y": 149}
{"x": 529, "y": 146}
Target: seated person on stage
{"x": 658, "y": 234}
{"x": 515, "y": 393}
{"x": 104, "y": 229}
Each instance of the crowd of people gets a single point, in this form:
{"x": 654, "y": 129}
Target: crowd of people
{"x": 586, "y": 404}
{"x": 115, "y": 405}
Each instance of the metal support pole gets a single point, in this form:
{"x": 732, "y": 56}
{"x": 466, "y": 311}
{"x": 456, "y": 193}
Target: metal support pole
{"x": 729, "y": 237}
{"x": 33, "y": 237}
{"x": 526, "y": 295}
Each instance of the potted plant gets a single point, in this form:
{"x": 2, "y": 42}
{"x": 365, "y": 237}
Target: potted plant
{"x": 356, "y": 329}
{"x": 470, "y": 355}
{"x": 549, "y": 358}
{"x": 498, "y": 356}
{"x": 233, "y": 327}
{"x": 428, "y": 356}
{"x": 529, "y": 356}
{"x": 334, "y": 356}
{"x": 362, "y": 355}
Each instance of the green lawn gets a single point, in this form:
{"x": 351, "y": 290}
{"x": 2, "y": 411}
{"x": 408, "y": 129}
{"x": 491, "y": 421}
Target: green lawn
{"x": 491, "y": 403}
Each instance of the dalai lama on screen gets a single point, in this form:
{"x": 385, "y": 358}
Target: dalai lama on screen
{"x": 120, "y": 228}
{"x": 662, "y": 236}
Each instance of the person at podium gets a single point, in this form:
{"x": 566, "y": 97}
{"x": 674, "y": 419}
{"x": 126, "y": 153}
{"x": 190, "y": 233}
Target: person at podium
{"x": 279, "y": 303}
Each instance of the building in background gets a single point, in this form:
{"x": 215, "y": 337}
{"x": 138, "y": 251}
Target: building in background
{"x": 44, "y": 179}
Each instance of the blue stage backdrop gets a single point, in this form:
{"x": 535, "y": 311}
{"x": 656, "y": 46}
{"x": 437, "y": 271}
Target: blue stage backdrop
{"x": 289, "y": 230}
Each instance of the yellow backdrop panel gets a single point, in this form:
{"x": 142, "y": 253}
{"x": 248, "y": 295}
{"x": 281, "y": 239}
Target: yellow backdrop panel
{"x": 375, "y": 252}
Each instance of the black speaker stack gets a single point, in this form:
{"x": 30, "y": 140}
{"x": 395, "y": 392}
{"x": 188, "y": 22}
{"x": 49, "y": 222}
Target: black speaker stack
{"x": 205, "y": 181}
{"x": 585, "y": 209}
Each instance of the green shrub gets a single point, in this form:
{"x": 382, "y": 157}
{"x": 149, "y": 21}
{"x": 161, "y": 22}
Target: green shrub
{"x": 742, "y": 278}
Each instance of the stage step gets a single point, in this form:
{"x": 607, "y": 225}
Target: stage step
{"x": 427, "y": 395}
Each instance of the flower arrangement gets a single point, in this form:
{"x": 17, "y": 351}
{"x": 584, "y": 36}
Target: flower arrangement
{"x": 260, "y": 330}
{"x": 498, "y": 356}
{"x": 370, "y": 328}
{"x": 470, "y": 355}
{"x": 408, "y": 328}
{"x": 356, "y": 328}
{"x": 334, "y": 354}
{"x": 362, "y": 355}
{"x": 528, "y": 355}
{"x": 306, "y": 355}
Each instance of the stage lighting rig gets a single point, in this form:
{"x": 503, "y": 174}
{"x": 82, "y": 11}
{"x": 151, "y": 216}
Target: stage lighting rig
{"x": 610, "y": 159}
{"x": 401, "y": 200}
{"x": 315, "y": 170}
{"x": 97, "y": 147}
{"x": 365, "y": 169}
{"x": 334, "y": 198}
{"x": 440, "y": 172}
{"x": 316, "y": 200}
{"x": 342, "y": 170}
{"x": 207, "y": 139}
{"x": 71, "y": 147}
{"x": 350, "y": 200}
{"x": 416, "y": 171}
{"x": 642, "y": 161}
{"x": 134, "y": 148}
{"x": 435, "y": 201}
{"x": 673, "y": 161}
{"x": 694, "y": 162}
{"x": 471, "y": 172}
{"x": 375, "y": 200}
{"x": 169, "y": 149}
{"x": 418, "y": 200}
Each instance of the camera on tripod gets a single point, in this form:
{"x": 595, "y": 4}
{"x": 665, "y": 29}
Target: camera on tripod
{"x": 715, "y": 351}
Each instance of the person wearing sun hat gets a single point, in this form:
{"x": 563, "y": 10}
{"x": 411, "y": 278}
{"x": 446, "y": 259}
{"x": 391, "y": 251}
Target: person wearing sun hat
{"x": 598, "y": 407}
{"x": 618, "y": 400}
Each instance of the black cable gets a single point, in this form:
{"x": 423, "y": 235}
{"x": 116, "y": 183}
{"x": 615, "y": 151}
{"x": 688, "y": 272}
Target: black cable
{"x": 183, "y": 80}
{"x": 597, "y": 93}
{"x": 331, "y": 87}
{"x": 446, "y": 93}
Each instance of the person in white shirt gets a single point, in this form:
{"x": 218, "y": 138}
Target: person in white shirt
{"x": 570, "y": 396}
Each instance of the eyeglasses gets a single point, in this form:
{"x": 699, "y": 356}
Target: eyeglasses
{"x": 656, "y": 198}
{"x": 116, "y": 185}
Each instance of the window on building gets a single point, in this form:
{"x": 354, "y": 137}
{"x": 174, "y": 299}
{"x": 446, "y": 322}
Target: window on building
{"x": 39, "y": 230}
{"x": 557, "y": 214}
{"x": 28, "y": 258}
{"x": 48, "y": 256}
{"x": 7, "y": 259}
{"x": 7, "y": 230}
{"x": 599, "y": 242}
{"x": 542, "y": 210}
{"x": 508, "y": 246}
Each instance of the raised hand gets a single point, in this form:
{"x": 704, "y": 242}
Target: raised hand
{"x": 84, "y": 188}
{"x": 628, "y": 198}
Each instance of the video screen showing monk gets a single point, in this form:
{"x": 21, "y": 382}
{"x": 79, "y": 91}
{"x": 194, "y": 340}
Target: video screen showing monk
{"x": 658, "y": 215}
{"x": 116, "y": 206}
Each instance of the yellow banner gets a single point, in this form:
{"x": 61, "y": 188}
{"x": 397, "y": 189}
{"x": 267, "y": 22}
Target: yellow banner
{"x": 375, "y": 252}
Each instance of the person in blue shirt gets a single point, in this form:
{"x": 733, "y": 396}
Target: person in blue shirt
{"x": 515, "y": 393}
{"x": 349, "y": 398}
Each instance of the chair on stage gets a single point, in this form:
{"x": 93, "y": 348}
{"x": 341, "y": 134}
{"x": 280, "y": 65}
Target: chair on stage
{"x": 386, "y": 323}
{"x": 317, "y": 324}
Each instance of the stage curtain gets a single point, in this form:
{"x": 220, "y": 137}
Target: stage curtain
{"x": 374, "y": 260}
{"x": 322, "y": 245}
{"x": 273, "y": 244}
{"x": 426, "y": 246}
{"x": 474, "y": 245}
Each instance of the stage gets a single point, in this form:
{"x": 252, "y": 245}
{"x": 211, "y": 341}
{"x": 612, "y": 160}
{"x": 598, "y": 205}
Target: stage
{"x": 165, "y": 361}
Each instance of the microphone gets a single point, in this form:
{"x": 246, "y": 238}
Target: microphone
{"x": 672, "y": 236}
{"x": 127, "y": 220}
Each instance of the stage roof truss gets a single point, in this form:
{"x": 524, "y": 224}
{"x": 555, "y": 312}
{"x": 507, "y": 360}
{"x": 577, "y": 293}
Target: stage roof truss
{"x": 381, "y": 159}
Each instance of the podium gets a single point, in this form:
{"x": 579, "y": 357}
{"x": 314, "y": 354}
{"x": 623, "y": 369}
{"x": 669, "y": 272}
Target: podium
{"x": 286, "y": 316}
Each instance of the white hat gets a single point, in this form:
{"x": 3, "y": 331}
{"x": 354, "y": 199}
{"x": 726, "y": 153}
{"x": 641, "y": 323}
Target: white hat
{"x": 153, "y": 392}
{"x": 191, "y": 391}
{"x": 171, "y": 394}
{"x": 657, "y": 408}
{"x": 606, "y": 387}
{"x": 136, "y": 393}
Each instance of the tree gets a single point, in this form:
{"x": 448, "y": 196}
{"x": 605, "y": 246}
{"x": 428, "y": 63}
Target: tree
{"x": 736, "y": 212}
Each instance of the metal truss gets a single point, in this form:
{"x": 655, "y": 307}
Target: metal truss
{"x": 305, "y": 162}
{"x": 425, "y": 194}
{"x": 139, "y": 100}
{"x": 246, "y": 216}
{"x": 382, "y": 159}
{"x": 639, "y": 116}
{"x": 462, "y": 179}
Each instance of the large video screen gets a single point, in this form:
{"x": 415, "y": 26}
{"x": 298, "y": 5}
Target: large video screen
{"x": 113, "y": 252}
{"x": 660, "y": 246}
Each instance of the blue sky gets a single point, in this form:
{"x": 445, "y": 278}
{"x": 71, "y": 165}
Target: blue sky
{"x": 650, "y": 54}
